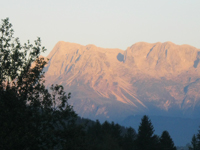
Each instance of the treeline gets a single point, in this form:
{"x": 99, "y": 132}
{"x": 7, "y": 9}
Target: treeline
{"x": 195, "y": 142}
{"x": 35, "y": 118}
{"x": 111, "y": 136}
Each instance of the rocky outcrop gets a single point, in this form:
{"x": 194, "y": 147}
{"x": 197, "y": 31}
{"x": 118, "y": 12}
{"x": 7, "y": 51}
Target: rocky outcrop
{"x": 155, "y": 78}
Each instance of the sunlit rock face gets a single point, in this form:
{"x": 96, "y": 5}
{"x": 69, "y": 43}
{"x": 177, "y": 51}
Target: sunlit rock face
{"x": 158, "y": 79}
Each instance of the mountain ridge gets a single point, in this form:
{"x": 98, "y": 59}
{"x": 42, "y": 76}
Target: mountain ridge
{"x": 145, "y": 76}
{"x": 161, "y": 80}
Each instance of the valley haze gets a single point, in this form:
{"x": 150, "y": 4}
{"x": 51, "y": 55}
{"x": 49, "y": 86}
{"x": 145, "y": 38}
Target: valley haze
{"x": 157, "y": 79}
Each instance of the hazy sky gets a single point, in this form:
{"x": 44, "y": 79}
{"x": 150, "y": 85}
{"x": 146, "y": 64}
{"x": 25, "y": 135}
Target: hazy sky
{"x": 104, "y": 23}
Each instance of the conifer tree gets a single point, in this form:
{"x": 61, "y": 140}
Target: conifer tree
{"x": 145, "y": 137}
{"x": 129, "y": 139}
{"x": 166, "y": 141}
{"x": 194, "y": 143}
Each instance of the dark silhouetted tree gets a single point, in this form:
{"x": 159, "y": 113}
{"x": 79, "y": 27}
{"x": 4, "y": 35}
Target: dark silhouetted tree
{"x": 194, "y": 143}
{"x": 145, "y": 138}
{"x": 31, "y": 117}
{"x": 129, "y": 139}
{"x": 166, "y": 142}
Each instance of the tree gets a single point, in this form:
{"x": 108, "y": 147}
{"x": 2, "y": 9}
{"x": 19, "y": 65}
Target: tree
{"x": 194, "y": 143}
{"x": 129, "y": 139}
{"x": 145, "y": 138}
{"x": 166, "y": 141}
{"x": 31, "y": 117}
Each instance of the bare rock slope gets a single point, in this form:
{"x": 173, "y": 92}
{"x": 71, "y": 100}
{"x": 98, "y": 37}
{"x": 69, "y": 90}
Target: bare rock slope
{"x": 158, "y": 78}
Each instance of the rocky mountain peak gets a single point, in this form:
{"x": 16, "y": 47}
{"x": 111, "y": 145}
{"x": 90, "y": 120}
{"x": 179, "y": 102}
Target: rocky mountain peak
{"x": 162, "y": 76}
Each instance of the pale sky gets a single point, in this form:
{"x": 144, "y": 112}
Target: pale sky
{"x": 104, "y": 23}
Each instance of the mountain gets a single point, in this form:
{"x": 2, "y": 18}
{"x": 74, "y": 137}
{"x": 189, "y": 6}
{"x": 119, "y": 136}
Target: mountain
{"x": 158, "y": 79}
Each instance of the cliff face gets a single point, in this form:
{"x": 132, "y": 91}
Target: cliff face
{"x": 146, "y": 78}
